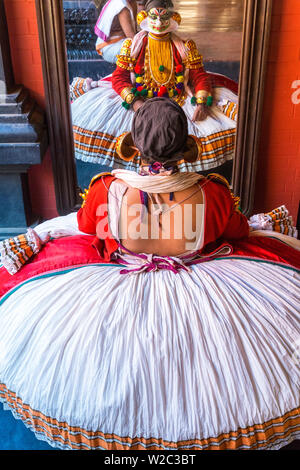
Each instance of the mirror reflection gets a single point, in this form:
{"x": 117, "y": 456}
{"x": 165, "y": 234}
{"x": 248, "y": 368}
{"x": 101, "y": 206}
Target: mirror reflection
{"x": 121, "y": 53}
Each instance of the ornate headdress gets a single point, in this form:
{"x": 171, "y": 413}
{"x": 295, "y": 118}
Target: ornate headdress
{"x": 166, "y": 4}
{"x": 149, "y": 4}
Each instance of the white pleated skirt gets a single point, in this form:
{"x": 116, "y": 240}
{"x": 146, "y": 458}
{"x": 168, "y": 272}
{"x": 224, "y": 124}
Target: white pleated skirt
{"x": 91, "y": 359}
{"x": 98, "y": 118}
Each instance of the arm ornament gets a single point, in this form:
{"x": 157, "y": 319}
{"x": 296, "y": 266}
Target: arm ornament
{"x": 124, "y": 59}
{"x": 202, "y": 97}
{"x": 194, "y": 59}
{"x": 127, "y": 95}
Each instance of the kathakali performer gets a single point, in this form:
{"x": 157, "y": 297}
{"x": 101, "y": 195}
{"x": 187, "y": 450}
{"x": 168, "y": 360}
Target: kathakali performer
{"x": 116, "y": 334}
{"x": 156, "y": 62}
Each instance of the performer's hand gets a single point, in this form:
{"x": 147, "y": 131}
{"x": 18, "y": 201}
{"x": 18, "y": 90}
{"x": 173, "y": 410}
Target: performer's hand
{"x": 200, "y": 113}
{"x": 137, "y": 104}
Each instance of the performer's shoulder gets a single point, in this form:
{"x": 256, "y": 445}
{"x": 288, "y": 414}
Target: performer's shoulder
{"x": 221, "y": 180}
{"x": 190, "y": 44}
{"x": 217, "y": 178}
{"x": 98, "y": 177}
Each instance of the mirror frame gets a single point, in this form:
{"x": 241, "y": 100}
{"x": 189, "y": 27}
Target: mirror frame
{"x": 255, "y": 42}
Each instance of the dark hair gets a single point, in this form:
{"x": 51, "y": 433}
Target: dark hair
{"x": 149, "y": 4}
{"x": 160, "y": 131}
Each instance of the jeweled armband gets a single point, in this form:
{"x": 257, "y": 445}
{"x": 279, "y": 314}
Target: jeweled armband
{"x": 124, "y": 59}
{"x": 194, "y": 60}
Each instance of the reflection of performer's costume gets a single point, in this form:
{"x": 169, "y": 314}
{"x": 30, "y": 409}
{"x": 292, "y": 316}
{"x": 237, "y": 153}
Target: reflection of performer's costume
{"x": 152, "y": 354}
{"x": 151, "y": 65}
{"x": 107, "y": 29}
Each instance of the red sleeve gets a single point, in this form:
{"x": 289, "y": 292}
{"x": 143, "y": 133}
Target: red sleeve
{"x": 237, "y": 224}
{"x": 200, "y": 79}
{"x": 223, "y": 220}
{"x": 121, "y": 79}
{"x": 121, "y": 76}
{"x": 86, "y": 216}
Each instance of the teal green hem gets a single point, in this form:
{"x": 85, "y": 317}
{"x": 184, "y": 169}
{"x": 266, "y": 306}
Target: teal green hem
{"x": 58, "y": 273}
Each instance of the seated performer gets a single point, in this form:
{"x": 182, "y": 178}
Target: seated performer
{"x": 167, "y": 222}
{"x": 156, "y": 62}
{"x": 147, "y": 342}
{"x": 116, "y": 22}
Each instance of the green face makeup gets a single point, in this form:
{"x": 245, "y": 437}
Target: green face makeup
{"x": 159, "y": 19}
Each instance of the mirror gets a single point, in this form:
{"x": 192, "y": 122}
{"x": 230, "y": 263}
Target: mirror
{"x": 95, "y": 31}
{"x": 222, "y": 31}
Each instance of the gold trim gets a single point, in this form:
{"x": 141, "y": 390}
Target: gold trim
{"x": 201, "y": 94}
{"x": 176, "y": 17}
{"x": 198, "y": 143}
{"x": 120, "y": 144}
{"x": 127, "y": 95}
{"x": 141, "y": 16}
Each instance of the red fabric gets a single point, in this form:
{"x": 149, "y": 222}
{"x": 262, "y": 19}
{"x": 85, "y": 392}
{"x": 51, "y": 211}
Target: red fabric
{"x": 199, "y": 79}
{"x": 90, "y": 222}
{"x": 70, "y": 252}
{"x": 264, "y": 248}
{"x": 120, "y": 79}
{"x": 221, "y": 218}
{"x": 218, "y": 80}
{"x": 56, "y": 255}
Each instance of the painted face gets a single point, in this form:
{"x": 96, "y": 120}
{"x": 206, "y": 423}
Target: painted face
{"x": 159, "y": 20}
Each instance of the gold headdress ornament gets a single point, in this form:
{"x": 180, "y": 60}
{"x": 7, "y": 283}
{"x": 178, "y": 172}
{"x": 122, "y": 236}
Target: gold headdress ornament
{"x": 127, "y": 151}
{"x": 141, "y": 16}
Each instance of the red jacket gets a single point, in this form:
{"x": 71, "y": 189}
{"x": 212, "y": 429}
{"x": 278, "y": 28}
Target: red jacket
{"x": 198, "y": 78}
{"x": 222, "y": 220}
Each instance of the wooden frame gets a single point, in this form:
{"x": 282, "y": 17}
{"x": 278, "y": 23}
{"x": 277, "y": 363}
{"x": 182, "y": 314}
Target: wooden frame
{"x": 257, "y": 21}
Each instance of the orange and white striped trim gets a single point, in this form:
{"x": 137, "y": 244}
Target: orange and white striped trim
{"x": 61, "y": 434}
{"x": 230, "y": 110}
{"x": 94, "y": 144}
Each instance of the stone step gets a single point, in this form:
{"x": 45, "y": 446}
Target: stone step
{"x": 18, "y": 103}
{"x": 23, "y": 153}
{"x": 12, "y": 97}
{"x": 31, "y": 113}
{"x": 25, "y": 127}
{"x": 12, "y": 132}
{"x": 13, "y": 118}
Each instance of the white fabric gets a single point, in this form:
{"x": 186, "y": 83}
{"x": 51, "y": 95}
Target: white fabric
{"x": 64, "y": 226}
{"x": 101, "y": 110}
{"x": 115, "y": 196}
{"x": 157, "y": 183}
{"x": 176, "y": 357}
{"x": 110, "y": 52}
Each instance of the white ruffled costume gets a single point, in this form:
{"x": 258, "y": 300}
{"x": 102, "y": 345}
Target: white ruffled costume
{"x": 206, "y": 359}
